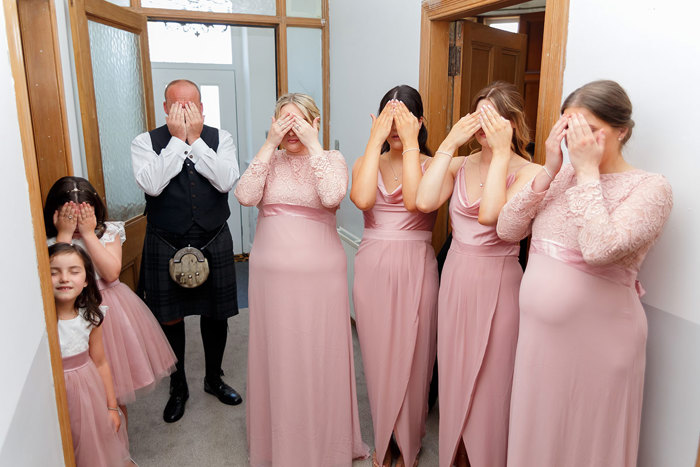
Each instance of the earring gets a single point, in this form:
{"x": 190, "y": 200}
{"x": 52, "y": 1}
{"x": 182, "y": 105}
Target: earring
{"x": 620, "y": 138}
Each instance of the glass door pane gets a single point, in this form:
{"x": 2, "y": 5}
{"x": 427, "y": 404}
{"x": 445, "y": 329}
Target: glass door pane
{"x": 255, "y": 7}
{"x": 304, "y": 8}
{"x": 304, "y": 70}
{"x": 116, "y": 69}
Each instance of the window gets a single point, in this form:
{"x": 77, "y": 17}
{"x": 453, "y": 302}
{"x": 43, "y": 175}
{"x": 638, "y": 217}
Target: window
{"x": 508, "y": 23}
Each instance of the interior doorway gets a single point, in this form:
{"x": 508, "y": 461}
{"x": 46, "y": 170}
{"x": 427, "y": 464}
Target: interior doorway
{"x": 462, "y": 50}
{"x": 237, "y": 67}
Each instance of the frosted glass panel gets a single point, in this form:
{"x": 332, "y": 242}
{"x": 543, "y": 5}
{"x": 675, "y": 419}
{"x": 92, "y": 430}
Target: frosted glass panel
{"x": 121, "y": 2}
{"x": 304, "y": 8}
{"x": 189, "y": 43}
{"x": 116, "y": 69}
{"x": 305, "y": 73}
{"x": 255, "y": 7}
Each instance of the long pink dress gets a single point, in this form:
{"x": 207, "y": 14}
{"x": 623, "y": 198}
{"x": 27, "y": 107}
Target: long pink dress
{"x": 395, "y": 295}
{"x": 579, "y": 372}
{"x": 477, "y": 335}
{"x": 301, "y": 399}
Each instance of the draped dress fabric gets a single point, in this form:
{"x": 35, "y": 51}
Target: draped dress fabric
{"x": 477, "y": 335}
{"x": 395, "y": 296}
{"x": 301, "y": 396}
{"x": 579, "y": 372}
{"x": 95, "y": 443}
{"x": 137, "y": 350}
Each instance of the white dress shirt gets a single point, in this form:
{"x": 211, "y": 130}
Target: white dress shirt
{"x": 153, "y": 172}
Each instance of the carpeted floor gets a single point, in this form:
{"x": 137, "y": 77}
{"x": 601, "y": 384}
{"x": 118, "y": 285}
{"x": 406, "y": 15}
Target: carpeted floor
{"x": 212, "y": 434}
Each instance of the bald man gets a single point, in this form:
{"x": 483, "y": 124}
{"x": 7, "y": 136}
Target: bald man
{"x": 186, "y": 169}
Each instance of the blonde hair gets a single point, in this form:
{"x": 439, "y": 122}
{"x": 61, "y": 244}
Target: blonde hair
{"x": 304, "y": 102}
{"x": 510, "y": 105}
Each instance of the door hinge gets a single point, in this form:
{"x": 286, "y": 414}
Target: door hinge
{"x": 455, "y": 61}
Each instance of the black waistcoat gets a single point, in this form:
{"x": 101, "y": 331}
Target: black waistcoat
{"x": 189, "y": 198}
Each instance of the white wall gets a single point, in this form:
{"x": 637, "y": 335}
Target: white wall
{"x": 28, "y": 413}
{"x": 374, "y": 46}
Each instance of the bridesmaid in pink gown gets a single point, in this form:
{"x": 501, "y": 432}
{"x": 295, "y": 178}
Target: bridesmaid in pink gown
{"x": 302, "y": 405}
{"x": 579, "y": 371}
{"x": 478, "y": 299}
{"x": 396, "y": 279}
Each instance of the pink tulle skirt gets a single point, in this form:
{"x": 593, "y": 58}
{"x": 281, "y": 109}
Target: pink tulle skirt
{"x": 136, "y": 348}
{"x": 95, "y": 442}
{"x": 301, "y": 405}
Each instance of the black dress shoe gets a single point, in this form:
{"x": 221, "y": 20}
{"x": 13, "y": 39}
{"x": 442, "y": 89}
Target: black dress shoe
{"x": 175, "y": 408}
{"x": 223, "y": 392}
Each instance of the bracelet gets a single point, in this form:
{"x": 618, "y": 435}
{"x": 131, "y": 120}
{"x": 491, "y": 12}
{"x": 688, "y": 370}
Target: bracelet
{"x": 409, "y": 150}
{"x": 547, "y": 172}
{"x": 444, "y": 152}
{"x": 116, "y": 409}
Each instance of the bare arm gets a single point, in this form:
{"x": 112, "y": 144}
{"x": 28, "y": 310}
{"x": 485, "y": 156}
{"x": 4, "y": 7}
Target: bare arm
{"x": 363, "y": 192}
{"x": 107, "y": 258}
{"x": 97, "y": 354}
{"x": 408, "y": 126}
{"x": 436, "y": 185}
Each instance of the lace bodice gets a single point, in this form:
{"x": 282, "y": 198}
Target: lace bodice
{"x": 74, "y": 334}
{"x": 613, "y": 220}
{"x": 316, "y": 181}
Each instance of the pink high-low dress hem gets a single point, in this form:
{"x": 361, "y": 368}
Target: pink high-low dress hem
{"x": 477, "y": 335}
{"x": 395, "y": 296}
{"x": 579, "y": 371}
{"x": 137, "y": 350}
{"x": 301, "y": 399}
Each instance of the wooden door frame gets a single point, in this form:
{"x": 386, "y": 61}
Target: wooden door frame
{"x": 46, "y": 90}
{"x": 35, "y": 203}
{"x": 435, "y": 84}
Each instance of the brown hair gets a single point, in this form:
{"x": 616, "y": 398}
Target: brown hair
{"x": 510, "y": 105}
{"x": 88, "y": 302}
{"x": 78, "y": 190}
{"x": 305, "y": 103}
{"x": 606, "y": 100}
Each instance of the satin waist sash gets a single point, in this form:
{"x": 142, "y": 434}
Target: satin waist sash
{"x": 499, "y": 249}
{"x": 313, "y": 214}
{"x": 612, "y": 272}
{"x": 76, "y": 361}
{"x": 385, "y": 234}
{"x": 102, "y": 284}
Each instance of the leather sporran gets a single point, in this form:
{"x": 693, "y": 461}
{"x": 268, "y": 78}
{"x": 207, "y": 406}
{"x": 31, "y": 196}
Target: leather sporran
{"x": 188, "y": 267}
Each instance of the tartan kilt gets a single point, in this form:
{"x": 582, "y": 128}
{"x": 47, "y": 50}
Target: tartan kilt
{"x": 216, "y": 298}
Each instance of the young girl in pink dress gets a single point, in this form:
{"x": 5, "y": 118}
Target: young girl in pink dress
{"x": 302, "y": 404}
{"x": 136, "y": 348}
{"x": 99, "y": 440}
{"x": 478, "y": 299}
{"x": 579, "y": 370}
{"x": 396, "y": 279}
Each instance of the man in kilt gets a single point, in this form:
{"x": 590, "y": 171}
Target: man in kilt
{"x": 186, "y": 170}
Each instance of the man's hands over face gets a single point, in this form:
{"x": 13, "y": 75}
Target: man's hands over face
{"x": 185, "y": 121}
